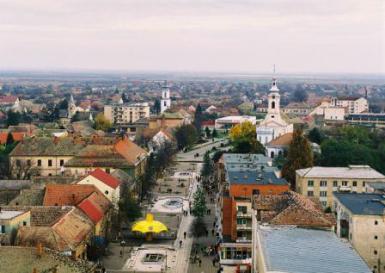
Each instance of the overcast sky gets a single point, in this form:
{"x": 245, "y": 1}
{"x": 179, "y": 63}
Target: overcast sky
{"x": 328, "y": 36}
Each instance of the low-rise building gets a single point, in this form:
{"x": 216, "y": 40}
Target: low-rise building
{"x": 360, "y": 219}
{"x": 299, "y": 109}
{"x": 10, "y": 222}
{"x": 126, "y": 113}
{"x": 279, "y": 146}
{"x": 230, "y": 121}
{"x": 105, "y": 183}
{"x": 321, "y": 182}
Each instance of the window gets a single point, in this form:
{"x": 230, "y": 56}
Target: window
{"x": 363, "y": 184}
{"x": 24, "y": 223}
{"x": 376, "y": 222}
{"x": 375, "y": 252}
{"x": 323, "y": 183}
{"x": 375, "y": 237}
{"x": 106, "y": 192}
{"x": 310, "y": 183}
{"x": 39, "y": 162}
{"x": 29, "y": 162}
{"x": 273, "y": 104}
{"x": 323, "y": 193}
{"x": 18, "y": 162}
{"x": 324, "y": 203}
{"x": 242, "y": 209}
{"x": 255, "y": 192}
{"x": 61, "y": 162}
{"x": 354, "y": 183}
{"x": 49, "y": 162}
{"x": 344, "y": 183}
{"x": 2, "y": 229}
{"x": 335, "y": 183}
{"x": 310, "y": 193}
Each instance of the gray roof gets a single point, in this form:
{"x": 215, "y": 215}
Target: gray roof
{"x": 254, "y": 177}
{"x": 297, "y": 250}
{"x": 377, "y": 185}
{"x": 352, "y": 171}
{"x": 362, "y": 203}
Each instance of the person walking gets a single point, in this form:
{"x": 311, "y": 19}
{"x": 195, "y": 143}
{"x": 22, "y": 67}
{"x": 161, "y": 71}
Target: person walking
{"x": 200, "y": 263}
{"x": 185, "y": 234}
{"x": 180, "y": 244}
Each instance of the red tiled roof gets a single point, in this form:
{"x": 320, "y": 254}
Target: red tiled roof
{"x": 91, "y": 210}
{"x": 8, "y": 99}
{"x": 106, "y": 178}
{"x": 66, "y": 194}
{"x": 17, "y": 136}
{"x": 208, "y": 122}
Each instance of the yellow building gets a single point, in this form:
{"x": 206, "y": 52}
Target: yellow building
{"x": 361, "y": 220}
{"x": 45, "y": 155}
{"x": 10, "y": 221}
{"x": 321, "y": 182}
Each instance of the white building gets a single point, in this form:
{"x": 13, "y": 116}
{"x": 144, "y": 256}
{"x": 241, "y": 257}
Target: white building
{"x": 126, "y": 113}
{"x": 230, "y": 121}
{"x": 165, "y": 102}
{"x": 334, "y": 113}
{"x": 353, "y": 105}
{"x": 273, "y": 125}
{"x": 104, "y": 182}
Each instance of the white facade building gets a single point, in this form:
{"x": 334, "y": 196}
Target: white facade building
{"x": 273, "y": 125}
{"x": 165, "y": 102}
{"x": 352, "y": 104}
{"x": 126, "y": 113}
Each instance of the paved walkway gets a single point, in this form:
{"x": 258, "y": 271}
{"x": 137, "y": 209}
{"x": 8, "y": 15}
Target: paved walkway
{"x": 183, "y": 253}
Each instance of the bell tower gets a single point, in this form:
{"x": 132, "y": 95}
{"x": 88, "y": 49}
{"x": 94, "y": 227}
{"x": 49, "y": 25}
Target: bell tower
{"x": 165, "y": 102}
{"x": 274, "y": 98}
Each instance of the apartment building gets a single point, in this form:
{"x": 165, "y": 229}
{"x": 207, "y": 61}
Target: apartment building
{"x": 126, "y": 113}
{"x": 361, "y": 220}
{"x": 321, "y": 182}
{"x": 242, "y": 181}
{"x": 353, "y": 105}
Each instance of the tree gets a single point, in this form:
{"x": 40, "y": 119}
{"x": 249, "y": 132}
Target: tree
{"x": 198, "y": 117}
{"x": 315, "y": 135}
{"x": 129, "y": 208}
{"x": 214, "y": 133}
{"x": 63, "y": 105}
{"x": 300, "y": 156}
{"x": 101, "y": 123}
{"x": 186, "y": 136}
{"x": 13, "y": 118}
{"x": 207, "y": 132}
{"x": 156, "y": 107}
{"x": 10, "y": 139}
{"x": 243, "y": 138}
{"x": 300, "y": 95}
{"x": 199, "y": 207}
{"x": 208, "y": 168}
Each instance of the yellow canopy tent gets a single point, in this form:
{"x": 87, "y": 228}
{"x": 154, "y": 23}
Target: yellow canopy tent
{"x": 149, "y": 226}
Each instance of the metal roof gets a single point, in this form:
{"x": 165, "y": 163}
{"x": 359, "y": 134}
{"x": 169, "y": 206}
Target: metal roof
{"x": 362, "y": 203}
{"x": 255, "y": 177}
{"x": 298, "y": 250}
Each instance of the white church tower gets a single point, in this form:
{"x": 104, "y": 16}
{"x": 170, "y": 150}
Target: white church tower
{"x": 71, "y": 107}
{"x": 273, "y": 125}
{"x": 165, "y": 102}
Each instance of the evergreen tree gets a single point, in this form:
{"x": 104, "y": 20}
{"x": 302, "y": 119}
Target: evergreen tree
{"x": 208, "y": 168}
{"x": 300, "y": 156}
{"x": 156, "y": 107}
{"x": 186, "y": 136}
{"x": 13, "y": 118}
{"x": 198, "y": 117}
{"x": 10, "y": 139}
{"x": 207, "y": 132}
{"x": 214, "y": 133}
{"x": 199, "y": 207}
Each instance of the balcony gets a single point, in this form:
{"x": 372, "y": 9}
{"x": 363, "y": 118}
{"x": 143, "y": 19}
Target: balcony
{"x": 244, "y": 227}
{"x": 241, "y": 214}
